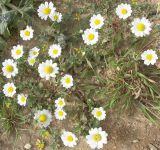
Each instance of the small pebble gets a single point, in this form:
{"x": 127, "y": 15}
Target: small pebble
{"x": 152, "y": 147}
{"x": 135, "y": 141}
{"x": 27, "y": 146}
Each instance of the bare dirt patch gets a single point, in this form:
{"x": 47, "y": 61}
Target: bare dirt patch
{"x": 128, "y": 132}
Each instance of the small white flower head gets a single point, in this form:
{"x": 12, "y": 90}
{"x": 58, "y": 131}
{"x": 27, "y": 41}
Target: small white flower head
{"x": 55, "y": 50}
{"x": 17, "y": 51}
{"x": 60, "y": 103}
{"x": 124, "y": 11}
{"x": 27, "y": 34}
{"x": 99, "y": 113}
{"x": 56, "y": 16}
{"x": 69, "y": 139}
{"x": 149, "y": 57}
{"x": 9, "y": 89}
{"x": 67, "y": 81}
{"x": 141, "y": 27}
{"x": 90, "y": 36}
{"x": 60, "y": 114}
{"x": 31, "y": 61}
{"x": 34, "y": 52}
{"x": 22, "y": 99}
{"x": 48, "y": 69}
{"x": 43, "y": 117}
{"x": 96, "y": 138}
{"x": 45, "y": 9}
{"x": 96, "y": 21}
{"x": 9, "y": 68}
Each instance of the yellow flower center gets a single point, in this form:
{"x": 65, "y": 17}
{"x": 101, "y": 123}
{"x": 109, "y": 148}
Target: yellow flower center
{"x": 98, "y": 113}
{"x": 47, "y": 11}
{"x": 56, "y": 17}
{"x": 60, "y": 113}
{"x": 60, "y": 103}
{"x": 97, "y": 21}
{"x": 68, "y": 80}
{"x": 9, "y": 68}
{"x": 45, "y": 134}
{"x": 149, "y": 57}
{"x": 10, "y": 89}
{"x": 140, "y": 27}
{"x": 55, "y": 51}
{"x": 8, "y": 104}
{"x": 23, "y": 99}
{"x": 18, "y": 52}
{"x": 97, "y": 137}
{"x": 124, "y": 11}
{"x": 70, "y": 138}
{"x": 135, "y": 2}
{"x": 34, "y": 53}
{"x": 40, "y": 145}
{"x": 48, "y": 69}
{"x": 32, "y": 61}
{"x": 91, "y": 36}
{"x": 27, "y": 33}
{"x": 42, "y": 118}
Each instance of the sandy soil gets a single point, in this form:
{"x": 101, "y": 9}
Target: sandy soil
{"x": 128, "y": 132}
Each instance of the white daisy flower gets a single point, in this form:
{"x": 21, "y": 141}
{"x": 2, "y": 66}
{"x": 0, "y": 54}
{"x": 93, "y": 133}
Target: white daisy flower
{"x": 34, "y": 52}
{"x": 56, "y": 16}
{"x": 45, "y": 9}
{"x": 60, "y": 114}
{"x": 9, "y": 68}
{"x": 141, "y": 27}
{"x": 123, "y": 11}
{"x": 96, "y": 21}
{"x": 149, "y": 57}
{"x": 99, "y": 113}
{"x": 22, "y": 99}
{"x": 43, "y": 117}
{"x": 67, "y": 81}
{"x": 69, "y": 139}
{"x": 55, "y": 50}
{"x": 90, "y": 37}
{"x": 31, "y": 61}
{"x": 96, "y": 138}
{"x": 17, "y": 51}
{"x": 60, "y": 103}
{"x": 27, "y": 34}
{"x": 48, "y": 69}
{"x": 9, "y": 89}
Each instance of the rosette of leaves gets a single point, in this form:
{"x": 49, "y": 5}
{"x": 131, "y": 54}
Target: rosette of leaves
{"x": 12, "y": 12}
